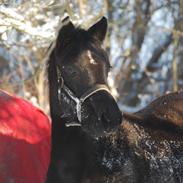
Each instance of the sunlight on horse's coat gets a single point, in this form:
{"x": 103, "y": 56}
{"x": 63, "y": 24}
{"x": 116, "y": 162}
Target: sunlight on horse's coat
{"x": 91, "y": 59}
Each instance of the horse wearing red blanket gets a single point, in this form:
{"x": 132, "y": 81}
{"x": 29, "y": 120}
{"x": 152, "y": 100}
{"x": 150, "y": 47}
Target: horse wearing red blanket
{"x": 24, "y": 141}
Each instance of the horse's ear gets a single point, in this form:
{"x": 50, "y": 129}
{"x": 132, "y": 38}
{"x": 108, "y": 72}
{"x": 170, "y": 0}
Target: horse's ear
{"x": 65, "y": 31}
{"x": 99, "y": 29}
{"x": 66, "y": 23}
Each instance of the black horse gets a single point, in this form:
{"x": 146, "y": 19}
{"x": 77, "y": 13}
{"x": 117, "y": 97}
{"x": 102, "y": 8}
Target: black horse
{"x": 92, "y": 142}
{"x": 80, "y": 101}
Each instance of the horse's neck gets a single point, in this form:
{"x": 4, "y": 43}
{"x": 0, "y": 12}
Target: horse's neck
{"x": 64, "y": 152}
{"x": 57, "y": 131}
{"x": 73, "y": 151}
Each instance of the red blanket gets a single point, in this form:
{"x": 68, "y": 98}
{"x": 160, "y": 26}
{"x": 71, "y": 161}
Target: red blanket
{"x": 24, "y": 141}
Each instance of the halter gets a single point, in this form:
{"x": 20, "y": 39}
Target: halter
{"x": 81, "y": 100}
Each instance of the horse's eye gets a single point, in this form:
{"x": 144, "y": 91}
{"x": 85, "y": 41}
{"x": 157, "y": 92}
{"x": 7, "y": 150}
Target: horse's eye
{"x": 71, "y": 71}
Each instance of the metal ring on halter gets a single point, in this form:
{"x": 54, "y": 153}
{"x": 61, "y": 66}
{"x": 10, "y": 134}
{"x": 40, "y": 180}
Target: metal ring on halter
{"x": 60, "y": 78}
{"x": 62, "y": 82}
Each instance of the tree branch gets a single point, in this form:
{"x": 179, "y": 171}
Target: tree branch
{"x": 157, "y": 53}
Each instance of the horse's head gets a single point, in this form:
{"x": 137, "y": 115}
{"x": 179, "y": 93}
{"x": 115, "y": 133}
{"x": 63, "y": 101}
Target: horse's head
{"x": 81, "y": 69}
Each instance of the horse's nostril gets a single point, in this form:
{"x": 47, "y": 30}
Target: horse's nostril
{"x": 91, "y": 99}
{"x": 105, "y": 118}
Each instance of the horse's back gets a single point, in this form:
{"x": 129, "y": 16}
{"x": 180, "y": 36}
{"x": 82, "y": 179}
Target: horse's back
{"x": 166, "y": 112}
{"x": 155, "y": 140}
{"x": 24, "y": 141}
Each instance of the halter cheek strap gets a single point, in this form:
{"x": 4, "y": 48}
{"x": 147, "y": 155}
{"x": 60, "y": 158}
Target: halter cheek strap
{"x": 81, "y": 100}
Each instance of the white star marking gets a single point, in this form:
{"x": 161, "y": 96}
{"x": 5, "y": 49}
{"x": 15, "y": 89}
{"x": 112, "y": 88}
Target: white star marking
{"x": 92, "y": 61}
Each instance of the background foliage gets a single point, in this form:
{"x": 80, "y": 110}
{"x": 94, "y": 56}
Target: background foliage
{"x": 144, "y": 43}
